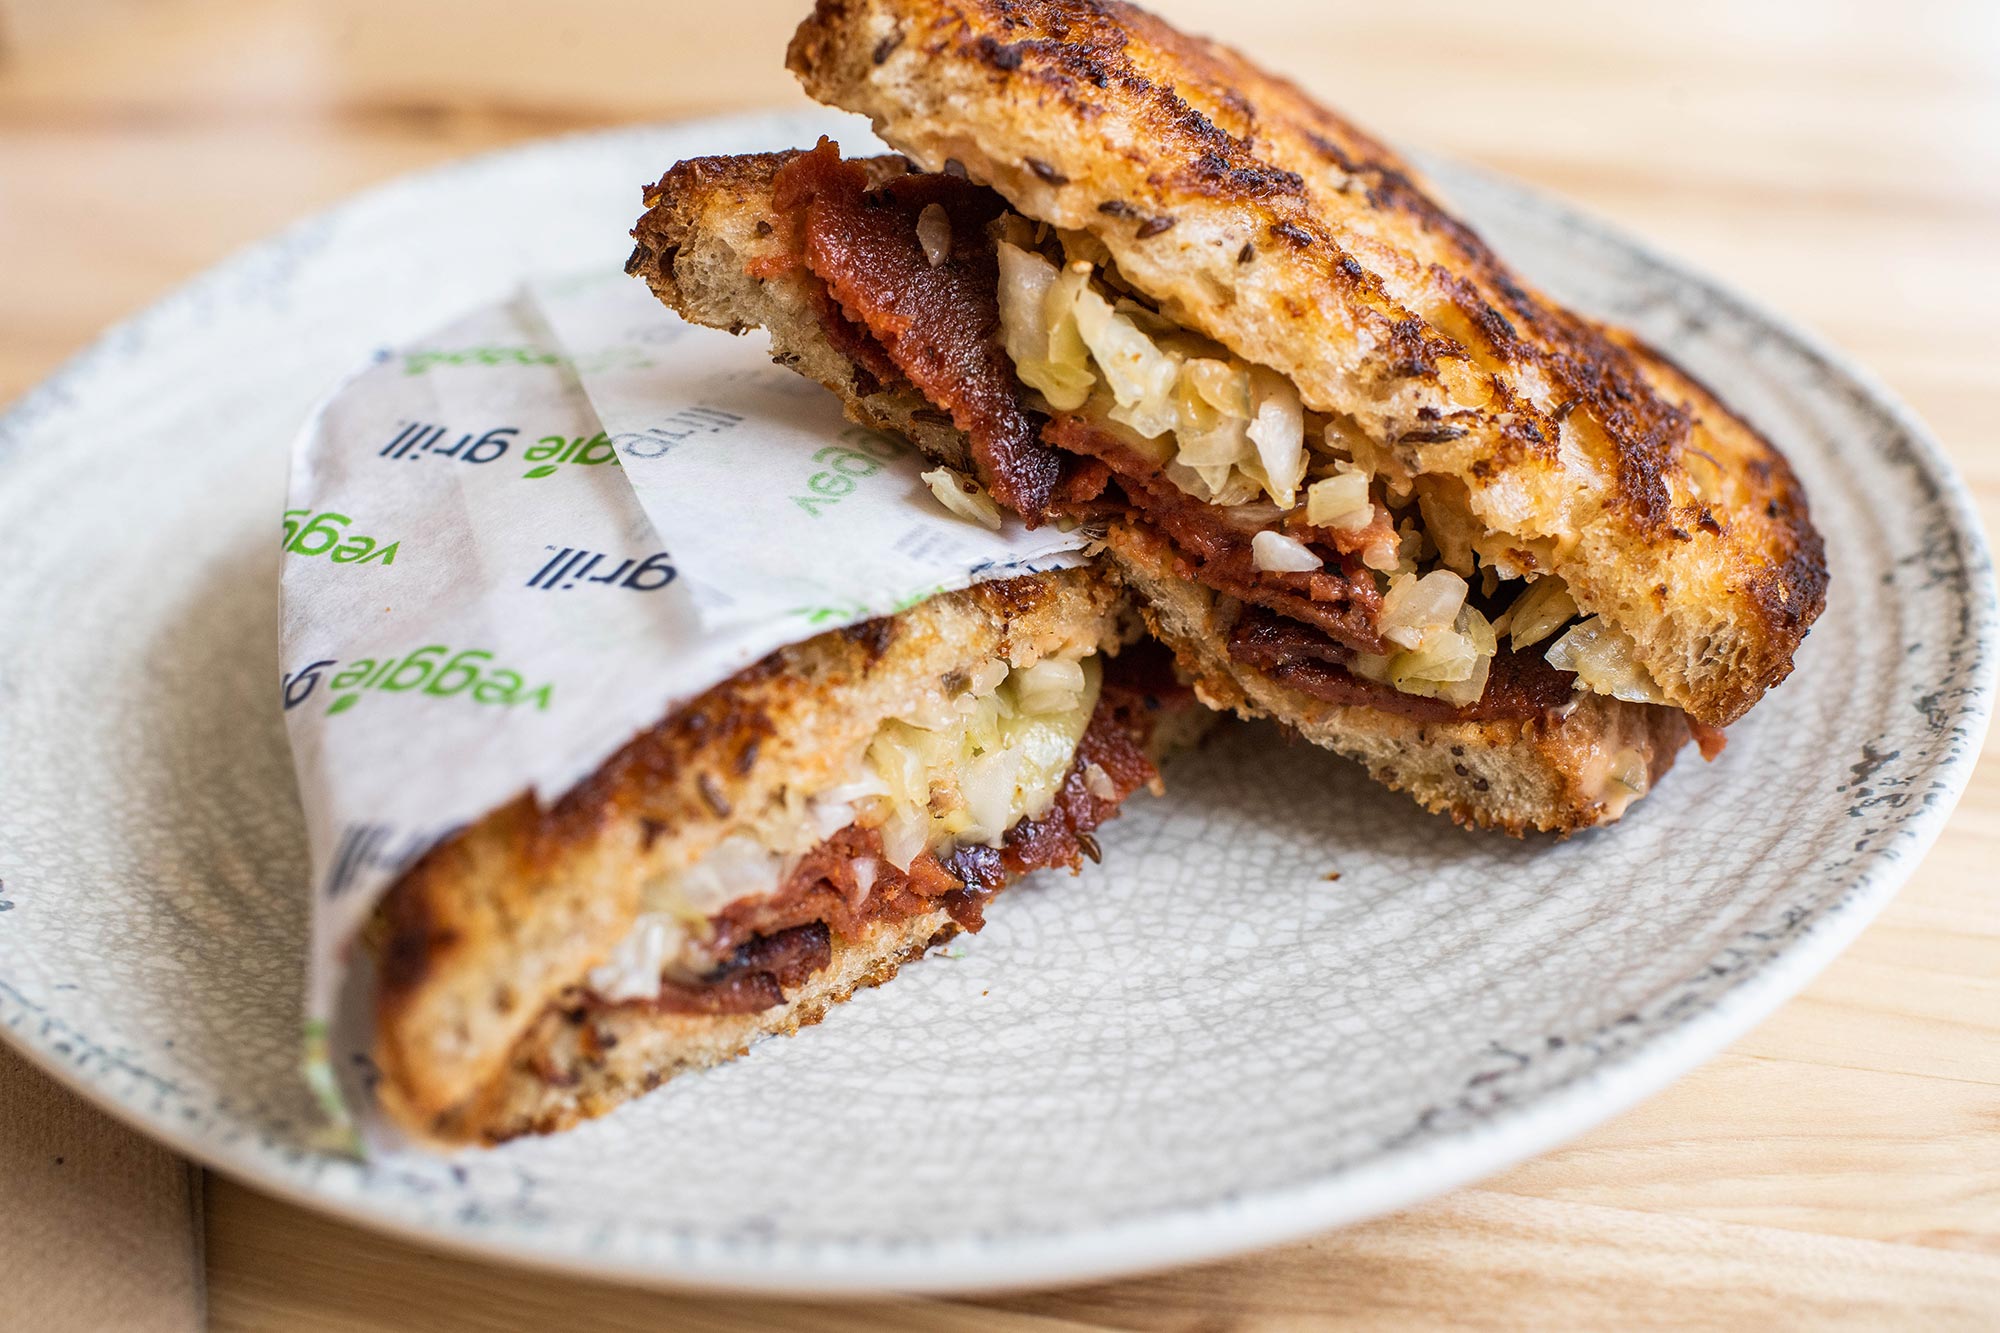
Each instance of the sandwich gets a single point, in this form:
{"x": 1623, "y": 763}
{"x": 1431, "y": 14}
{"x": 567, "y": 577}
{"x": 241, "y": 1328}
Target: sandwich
{"x": 798, "y": 832}
{"x": 1365, "y": 479}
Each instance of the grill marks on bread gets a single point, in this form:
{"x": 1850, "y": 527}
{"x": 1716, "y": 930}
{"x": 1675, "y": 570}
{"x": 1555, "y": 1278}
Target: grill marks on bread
{"x": 1248, "y": 212}
{"x": 1205, "y": 139}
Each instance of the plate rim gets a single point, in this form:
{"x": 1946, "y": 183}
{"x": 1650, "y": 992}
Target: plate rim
{"x": 1174, "y": 1235}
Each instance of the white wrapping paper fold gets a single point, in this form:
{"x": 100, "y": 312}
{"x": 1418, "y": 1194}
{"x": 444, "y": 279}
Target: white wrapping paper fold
{"x": 777, "y": 501}
{"x": 512, "y": 546}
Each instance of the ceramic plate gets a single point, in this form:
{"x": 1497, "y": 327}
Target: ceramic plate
{"x": 1205, "y": 1044}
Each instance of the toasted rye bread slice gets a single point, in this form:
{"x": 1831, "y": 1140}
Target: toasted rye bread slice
{"x": 712, "y": 247}
{"x": 1251, "y": 214}
{"x": 482, "y": 935}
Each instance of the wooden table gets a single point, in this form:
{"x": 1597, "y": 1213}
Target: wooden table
{"x": 1838, "y": 159}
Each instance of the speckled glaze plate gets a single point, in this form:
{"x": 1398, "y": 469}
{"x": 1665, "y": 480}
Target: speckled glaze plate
{"x": 1205, "y": 1044}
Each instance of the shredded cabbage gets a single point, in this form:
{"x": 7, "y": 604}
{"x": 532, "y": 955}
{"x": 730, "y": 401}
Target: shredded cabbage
{"x": 866, "y": 870}
{"x": 1098, "y": 782}
{"x": 1052, "y": 685}
{"x": 1141, "y": 377}
{"x": 1477, "y": 628}
{"x": 636, "y": 964}
{"x": 1039, "y": 330}
{"x": 1067, "y": 352}
{"x": 1225, "y": 387}
{"x": 963, "y": 496}
{"x": 1444, "y": 658}
{"x": 1604, "y": 659}
{"x": 905, "y": 835}
{"x": 1340, "y": 502}
{"x": 998, "y": 755}
{"x": 734, "y": 868}
{"x": 1415, "y": 607}
{"x": 1232, "y": 429}
{"x": 1279, "y": 432}
{"x": 988, "y": 786}
{"x": 1224, "y": 486}
{"x": 1540, "y": 611}
{"x": 1467, "y": 692}
{"x": 1447, "y": 644}
{"x": 1451, "y": 664}
{"x": 1212, "y": 402}
{"x": 1276, "y": 552}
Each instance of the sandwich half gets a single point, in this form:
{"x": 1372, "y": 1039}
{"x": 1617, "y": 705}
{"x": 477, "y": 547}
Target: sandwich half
{"x": 798, "y": 832}
{"x": 1367, "y": 481}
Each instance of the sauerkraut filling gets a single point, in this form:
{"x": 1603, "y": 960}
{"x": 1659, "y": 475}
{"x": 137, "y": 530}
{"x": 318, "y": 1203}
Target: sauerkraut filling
{"x": 988, "y": 751}
{"x": 1312, "y": 487}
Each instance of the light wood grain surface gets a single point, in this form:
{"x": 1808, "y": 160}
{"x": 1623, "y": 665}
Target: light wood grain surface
{"x": 1838, "y": 160}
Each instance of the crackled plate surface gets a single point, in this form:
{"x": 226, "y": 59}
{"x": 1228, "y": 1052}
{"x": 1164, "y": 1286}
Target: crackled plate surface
{"x": 1204, "y": 1044}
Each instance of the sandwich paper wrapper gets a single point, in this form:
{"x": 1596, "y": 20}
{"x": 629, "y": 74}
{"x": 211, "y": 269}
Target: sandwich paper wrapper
{"x": 514, "y": 545}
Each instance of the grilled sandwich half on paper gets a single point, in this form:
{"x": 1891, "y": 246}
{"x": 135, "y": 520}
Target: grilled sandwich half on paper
{"x": 797, "y": 832}
{"x": 1369, "y": 482}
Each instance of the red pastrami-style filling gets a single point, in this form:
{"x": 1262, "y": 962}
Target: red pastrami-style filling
{"x": 782, "y": 939}
{"x": 1340, "y": 599}
{"x": 1521, "y": 685}
{"x": 937, "y": 323}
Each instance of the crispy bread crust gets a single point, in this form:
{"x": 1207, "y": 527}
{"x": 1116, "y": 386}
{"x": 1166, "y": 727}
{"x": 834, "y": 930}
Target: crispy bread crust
{"x": 1254, "y": 215}
{"x": 570, "y": 1067}
{"x": 477, "y": 939}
